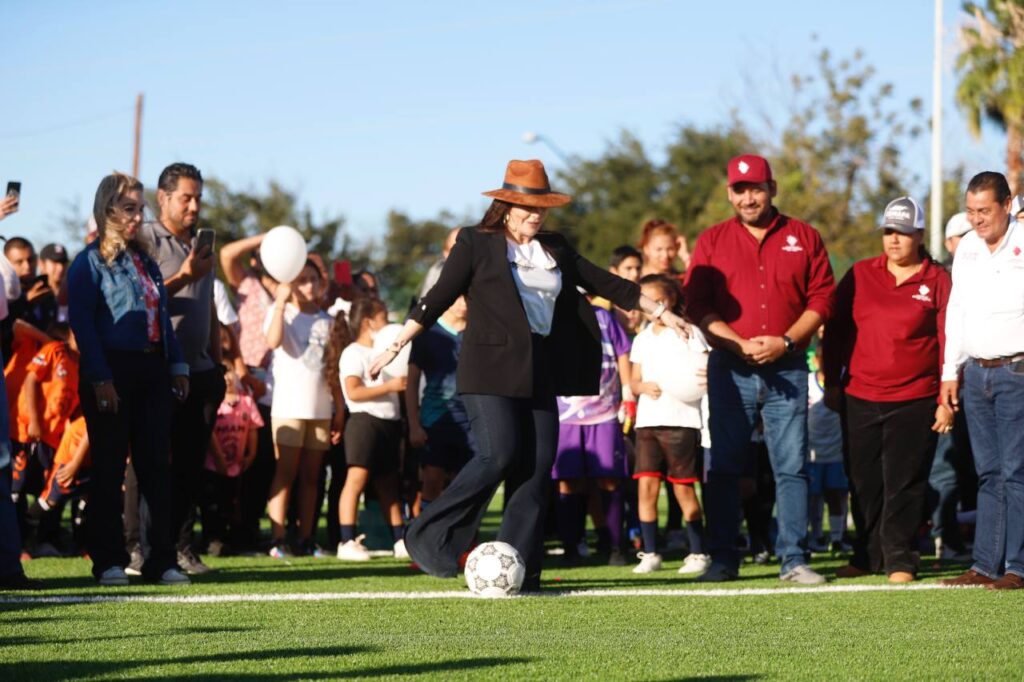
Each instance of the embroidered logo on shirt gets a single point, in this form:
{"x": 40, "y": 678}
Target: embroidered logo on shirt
{"x": 743, "y": 166}
{"x": 792, "y": 245}
{"x": 922, "y": 294}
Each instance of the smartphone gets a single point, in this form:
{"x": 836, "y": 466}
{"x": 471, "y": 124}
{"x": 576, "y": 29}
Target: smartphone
{"x": 343, "y": 272}
{"x": 204, "y": 237}
{"x": 14, "y": 188}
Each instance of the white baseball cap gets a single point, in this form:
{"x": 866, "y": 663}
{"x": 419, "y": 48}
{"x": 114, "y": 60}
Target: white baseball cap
{"x": 958, "y": 226}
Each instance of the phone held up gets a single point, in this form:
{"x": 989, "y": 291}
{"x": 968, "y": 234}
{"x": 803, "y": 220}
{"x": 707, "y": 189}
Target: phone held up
{"x": 14, "y": 189}
{"x": 204, "y": 237}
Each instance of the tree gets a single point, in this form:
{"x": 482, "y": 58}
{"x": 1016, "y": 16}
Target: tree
{"x": 410, "y": 248}
{"x": 991, "y": 69}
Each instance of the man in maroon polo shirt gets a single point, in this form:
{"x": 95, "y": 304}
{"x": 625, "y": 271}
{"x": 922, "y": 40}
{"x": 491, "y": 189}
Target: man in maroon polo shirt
{"x": 759, "y": 285}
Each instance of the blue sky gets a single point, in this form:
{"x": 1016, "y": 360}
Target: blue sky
{"x": 364, "y": 107}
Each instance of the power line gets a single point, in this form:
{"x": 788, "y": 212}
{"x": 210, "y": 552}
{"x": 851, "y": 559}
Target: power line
{"x": 64, "y": 126}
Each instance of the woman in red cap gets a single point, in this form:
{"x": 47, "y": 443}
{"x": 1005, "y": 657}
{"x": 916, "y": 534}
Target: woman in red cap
{"x": 529, "y": 337}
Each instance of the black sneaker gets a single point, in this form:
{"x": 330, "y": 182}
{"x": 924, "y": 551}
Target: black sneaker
{"x": 191, "y": 564}
{"x": 616, "y": 558}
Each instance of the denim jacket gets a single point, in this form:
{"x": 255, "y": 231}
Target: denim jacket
{"x": 107, "y": 312}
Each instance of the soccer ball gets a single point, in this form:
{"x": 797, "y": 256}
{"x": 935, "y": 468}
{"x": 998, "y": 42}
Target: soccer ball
{"x": 495, "y": 569}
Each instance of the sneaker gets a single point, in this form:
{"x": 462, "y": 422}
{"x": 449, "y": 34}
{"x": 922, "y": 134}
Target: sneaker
{"x": 113, "y": 577}
{"x": 400, "y": 551}
{"x": 134, "y": 566}
{"x": 900, "y": 577}
{"x": 803, "y": 575}
{"x": 649, "y": 562}
{"x": 695, "y": 563}
{"x": 616, "y": 558}
{"x": 841, "y": 547}
{"x": 762, "y": 557}
{"x": 191, "y": 564}
{"x": 583, "y": 549}
{"x": 173, "y": 576}
{"x": 675, "y": 539}
{"x": 718, "y": 573}
{"x": 280, "y": 550}
{"x": 353, "y": 550}
{"x": 310, "y": 548}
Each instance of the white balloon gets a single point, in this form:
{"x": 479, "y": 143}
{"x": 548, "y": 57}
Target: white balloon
{"x": 681, "y": 380}
{"x": 283, "y": 252}
{"x": 399, "y": 367}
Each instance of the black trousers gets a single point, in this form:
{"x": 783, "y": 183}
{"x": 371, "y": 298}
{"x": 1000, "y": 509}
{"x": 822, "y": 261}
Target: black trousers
{"x": 516, "y": 440}
{"x": 890, "y": 454}
{"x": 141, "y": 424}
{"x": 255, "y": 484}
{"x": 191, "y": 428}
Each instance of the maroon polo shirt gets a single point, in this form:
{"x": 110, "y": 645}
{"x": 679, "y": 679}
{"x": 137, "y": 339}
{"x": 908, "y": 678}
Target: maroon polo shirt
{"x": 759, "y": 289}
{"x": 888, "y": 338}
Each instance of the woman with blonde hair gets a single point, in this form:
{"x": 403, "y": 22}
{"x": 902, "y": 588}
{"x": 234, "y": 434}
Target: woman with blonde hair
{"x": 131, "y": 366}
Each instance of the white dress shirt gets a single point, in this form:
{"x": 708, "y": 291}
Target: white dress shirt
{"x": 539, "y": 282}
{"x": 985, "y": 313}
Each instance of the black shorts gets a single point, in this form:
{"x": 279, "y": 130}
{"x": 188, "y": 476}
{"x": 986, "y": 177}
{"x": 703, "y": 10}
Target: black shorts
{"x": 449, "y": 446}
{"x": 373, "y": 443}
{"x": 669, "y": 452}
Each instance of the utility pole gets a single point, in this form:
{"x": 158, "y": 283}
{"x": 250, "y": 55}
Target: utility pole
{"x": 936, "y": 238}
{"x": 138, "y": 135}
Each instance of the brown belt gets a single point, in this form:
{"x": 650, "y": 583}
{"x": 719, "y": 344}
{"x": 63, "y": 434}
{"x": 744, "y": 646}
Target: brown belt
{"x": 998, "y": 362}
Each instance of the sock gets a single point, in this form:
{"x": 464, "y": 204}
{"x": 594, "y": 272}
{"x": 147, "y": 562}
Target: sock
{"x": 649, "y": 531}
{"x": 398, "y": 532}
{"x": 695, "y": 533}
{"x": 837, "y": 521}
{"x": 612, "y": 502}
{"x": 570, "y": 507}
{"x": 675, "y": 512}
{"x": 816, "y": 505}
{"x": 348, "y": 532}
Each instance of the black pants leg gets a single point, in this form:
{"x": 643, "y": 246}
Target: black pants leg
{"x": 891, "y": 445}
{"x": 142, "y": 424}
{"x": 255, "y": 484}
{"x": 516, "y": 439}
{"x": 191, "y": 429}
{"x": 336, "y": 462}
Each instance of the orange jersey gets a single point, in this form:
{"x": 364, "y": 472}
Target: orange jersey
{"x": 74, "y": 432}
{"x": 55, "y": 367}
{"x": 23, "y": 350}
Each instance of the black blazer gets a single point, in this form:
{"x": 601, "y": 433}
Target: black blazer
{"x": 497, "y": 349}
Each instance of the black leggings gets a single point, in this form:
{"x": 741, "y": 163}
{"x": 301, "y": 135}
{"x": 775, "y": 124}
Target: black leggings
{"x": 516, "y": 440}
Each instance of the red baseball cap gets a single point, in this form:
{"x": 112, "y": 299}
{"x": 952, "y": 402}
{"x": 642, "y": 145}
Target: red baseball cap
{"x": 749, "y": 168}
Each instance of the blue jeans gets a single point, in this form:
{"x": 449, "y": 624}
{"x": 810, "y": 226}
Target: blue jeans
{"x": 737, "y": 393}
{"x": 10, "y": 538}
{"x": 994, "y": 401}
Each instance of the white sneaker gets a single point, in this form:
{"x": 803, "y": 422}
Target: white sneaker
{"x": 353, "y": 550}
{"x": 803, "y": 575}
{"x": 695, "y": 563}
{"x": 114, "y": 577}
{"x": 649, "y": 562}
{"x": 400, "y": 551}
{"x": 173, "y": 576}
{"x": 675, "y": 539}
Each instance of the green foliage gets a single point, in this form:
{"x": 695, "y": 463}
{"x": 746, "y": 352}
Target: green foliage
{"x": 410, "y": 247}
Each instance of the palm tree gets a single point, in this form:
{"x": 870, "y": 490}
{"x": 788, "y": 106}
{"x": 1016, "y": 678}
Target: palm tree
{"x": 991, "y": 69}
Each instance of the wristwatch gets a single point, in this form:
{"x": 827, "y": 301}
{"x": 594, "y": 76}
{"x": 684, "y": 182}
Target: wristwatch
{"x": 395, "y": 347}
{"x": 790, "y": 345}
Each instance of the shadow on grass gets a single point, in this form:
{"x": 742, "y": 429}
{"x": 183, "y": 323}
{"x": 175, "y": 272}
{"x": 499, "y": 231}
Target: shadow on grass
{"x": 56, "y": 670}
{"x": 288, "y": 574}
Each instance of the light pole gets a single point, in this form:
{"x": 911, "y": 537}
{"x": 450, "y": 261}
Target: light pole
{"x": 530, "y": 137}
{"x": 935, "y": 241}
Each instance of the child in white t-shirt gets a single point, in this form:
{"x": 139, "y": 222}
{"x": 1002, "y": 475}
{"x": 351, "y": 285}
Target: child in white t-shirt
{"x": 373, "y": 431}
{"x": 669, "y": 374}
{"x": 297, "y": 331}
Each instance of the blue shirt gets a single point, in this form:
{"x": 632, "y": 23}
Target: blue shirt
{"x": 436, "y": 353}
{"x": 107, "y": 311}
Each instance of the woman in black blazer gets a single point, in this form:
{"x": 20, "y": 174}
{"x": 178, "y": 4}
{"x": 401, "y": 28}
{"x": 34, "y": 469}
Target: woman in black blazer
{"x": 530, "y": 335}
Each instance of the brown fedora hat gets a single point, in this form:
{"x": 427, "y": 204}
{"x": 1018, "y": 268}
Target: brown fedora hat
{"x": 526, "y": 183}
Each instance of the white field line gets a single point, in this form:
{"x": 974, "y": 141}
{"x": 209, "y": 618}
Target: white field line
{"x": 461, "y": 594}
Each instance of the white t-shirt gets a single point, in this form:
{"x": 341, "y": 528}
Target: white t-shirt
{"x": 300, "y": 389}
{"x": 663, "y": 358}
{"x": 355, "y": 361}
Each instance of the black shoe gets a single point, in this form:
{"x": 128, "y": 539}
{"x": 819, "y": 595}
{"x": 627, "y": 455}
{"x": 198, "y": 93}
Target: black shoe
{"x": 616, "y": 558}
{"x": 191, "y": 564}
{"x": 20, "y": 581}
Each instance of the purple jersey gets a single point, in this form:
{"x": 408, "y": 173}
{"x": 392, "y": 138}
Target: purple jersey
{"x": 596, "y": 409}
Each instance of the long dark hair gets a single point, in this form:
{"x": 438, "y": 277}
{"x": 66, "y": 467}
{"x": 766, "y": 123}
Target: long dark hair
{"x": 339, "y": 340}
{"x": 363, "y": 308}
{"x": 494, "y": 218}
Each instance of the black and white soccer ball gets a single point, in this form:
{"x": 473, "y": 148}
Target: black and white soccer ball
{"x": 495, "y": 569}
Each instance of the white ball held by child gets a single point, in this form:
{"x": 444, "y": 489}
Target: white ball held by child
{"x": 495, "y": 569}
{"x": 399, "y": 367}
{"x": 682, "y": 381}
{"x": 283, "y": 252}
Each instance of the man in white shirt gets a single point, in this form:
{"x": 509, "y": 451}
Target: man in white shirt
{"x": 984, "y": 361}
